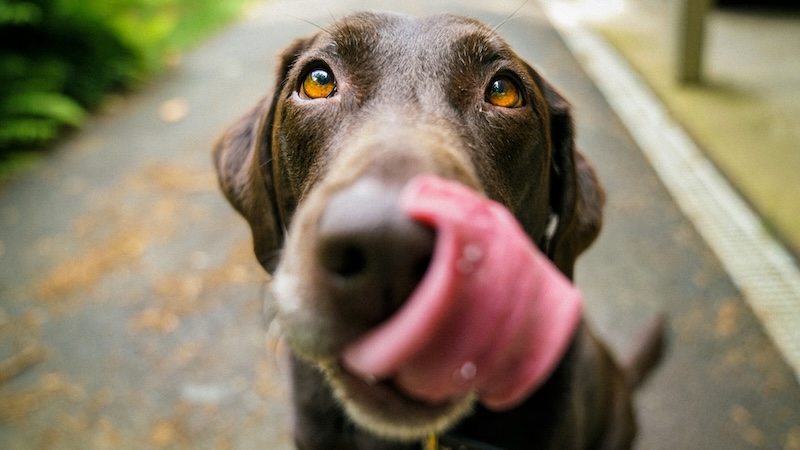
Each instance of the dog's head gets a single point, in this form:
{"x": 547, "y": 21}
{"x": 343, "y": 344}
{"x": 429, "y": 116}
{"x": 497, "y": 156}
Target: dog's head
{"x": 358, "y": 110}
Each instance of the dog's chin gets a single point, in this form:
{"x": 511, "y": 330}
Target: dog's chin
{"x": 382, "y": 409}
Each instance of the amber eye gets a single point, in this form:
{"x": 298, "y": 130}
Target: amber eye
{"x": 319, "y": 83}
{"x": 503, "y": 92}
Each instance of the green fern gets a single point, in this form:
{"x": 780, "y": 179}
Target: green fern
{"x": 46, "y": 105}
{"x": 32, "y": 107}
{"x": 25, "y": 132}
{"x": 59, "y": 58}
{"x": 54, "y": 64}
{"x": 19, "y": 13}
{"x": 31, "y": 118}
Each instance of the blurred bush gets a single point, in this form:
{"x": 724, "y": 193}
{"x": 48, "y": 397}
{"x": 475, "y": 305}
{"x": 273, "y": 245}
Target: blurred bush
{"x": 59, "y": 58}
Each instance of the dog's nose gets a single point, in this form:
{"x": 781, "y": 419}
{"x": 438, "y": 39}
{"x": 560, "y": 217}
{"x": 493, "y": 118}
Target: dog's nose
{"x": 372, "y": 253}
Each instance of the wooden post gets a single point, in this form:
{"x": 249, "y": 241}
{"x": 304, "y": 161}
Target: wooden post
{"x": 691, "y": 30}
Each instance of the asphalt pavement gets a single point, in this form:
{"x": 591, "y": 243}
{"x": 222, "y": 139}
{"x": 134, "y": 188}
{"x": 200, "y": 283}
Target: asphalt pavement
{"x": 130, "y": 301}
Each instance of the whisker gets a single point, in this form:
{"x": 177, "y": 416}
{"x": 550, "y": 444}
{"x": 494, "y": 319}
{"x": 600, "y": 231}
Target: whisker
{"x": 309, "y": 22}
{"x": 511, "y": 16}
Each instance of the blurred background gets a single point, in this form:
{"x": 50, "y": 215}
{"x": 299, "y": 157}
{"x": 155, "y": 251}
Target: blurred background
{"x": 130, "y": 301}
{"x": 60, "y": 59}
{"x": 742, "y": 106}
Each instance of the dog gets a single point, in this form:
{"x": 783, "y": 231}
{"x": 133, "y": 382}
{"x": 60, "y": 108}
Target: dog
{"x": 316, "y": 169}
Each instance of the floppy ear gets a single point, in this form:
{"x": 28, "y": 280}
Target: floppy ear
{"x": 576, "y": 196}
{"x": 244, "y": 162}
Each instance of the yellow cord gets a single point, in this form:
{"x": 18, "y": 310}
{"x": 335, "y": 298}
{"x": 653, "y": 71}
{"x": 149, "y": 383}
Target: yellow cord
{"x": 432, "y": 443}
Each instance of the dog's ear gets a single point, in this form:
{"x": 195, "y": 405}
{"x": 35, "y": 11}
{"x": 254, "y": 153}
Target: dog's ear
{"x": 244, "y": 162}
{"x": 576, "y": 196}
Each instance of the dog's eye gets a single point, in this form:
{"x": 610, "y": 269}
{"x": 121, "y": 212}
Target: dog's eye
{"x": 318, "y": 83}
{"x": 503, "y": 92}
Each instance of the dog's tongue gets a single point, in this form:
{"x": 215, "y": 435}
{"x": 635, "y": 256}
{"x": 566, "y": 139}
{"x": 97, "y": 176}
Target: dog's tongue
{"x": 492, "y": 314}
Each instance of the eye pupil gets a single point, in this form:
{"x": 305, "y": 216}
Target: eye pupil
{"x": 318, "y": 83}
{"x": 320, "y": 77}
{"x": 499, "y": 87}
{"x": 503, "y": 92}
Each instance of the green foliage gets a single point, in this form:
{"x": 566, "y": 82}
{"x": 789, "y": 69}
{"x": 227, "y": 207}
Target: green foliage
{"x": 53, "y": 66}
{"x": 59, "y": 58}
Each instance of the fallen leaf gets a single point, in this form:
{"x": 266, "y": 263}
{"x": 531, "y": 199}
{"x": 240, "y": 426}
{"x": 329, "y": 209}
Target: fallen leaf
{"x": 25, "y": 358}
{"x": 726, "y": 320}
{"x": 163, "y": 434}
{"x": 793, "y": 439}
{"x": 174, "y": 110}
{"x": 154, "y": 319}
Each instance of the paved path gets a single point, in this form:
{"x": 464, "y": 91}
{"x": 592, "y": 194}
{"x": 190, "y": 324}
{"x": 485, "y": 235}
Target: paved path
{"x": 122, "y": 263}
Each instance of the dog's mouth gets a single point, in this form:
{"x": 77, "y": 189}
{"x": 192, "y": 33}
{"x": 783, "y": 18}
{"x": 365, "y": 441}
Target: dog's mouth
{"x": 387, "y": 410}
{"x": 490, "y": 318}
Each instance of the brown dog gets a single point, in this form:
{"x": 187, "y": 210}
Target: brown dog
{"x": 358, "y": 110}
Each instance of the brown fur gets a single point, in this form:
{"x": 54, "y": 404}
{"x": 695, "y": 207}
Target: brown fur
{"x": 410, "y": 100}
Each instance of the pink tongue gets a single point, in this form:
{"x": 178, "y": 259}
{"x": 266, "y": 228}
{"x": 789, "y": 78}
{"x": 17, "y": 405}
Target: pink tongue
{"x": 492, "y": 314}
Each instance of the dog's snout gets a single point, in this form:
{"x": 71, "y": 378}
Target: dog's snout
{"x": 372, "y": 254}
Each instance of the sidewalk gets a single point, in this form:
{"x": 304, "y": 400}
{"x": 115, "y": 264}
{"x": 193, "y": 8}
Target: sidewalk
{"x": 122, "y": 262}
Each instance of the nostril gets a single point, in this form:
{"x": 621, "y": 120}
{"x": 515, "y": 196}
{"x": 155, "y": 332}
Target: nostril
{"x": 345, "y": 259}
{"x": 420, "y": 267}
{"x": 369, "y": 255}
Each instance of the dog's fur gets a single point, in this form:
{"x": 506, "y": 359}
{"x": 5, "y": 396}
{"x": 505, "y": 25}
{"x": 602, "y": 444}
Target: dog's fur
{"x": 411, "y": 98}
